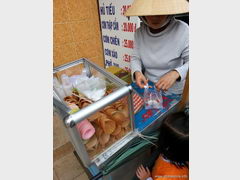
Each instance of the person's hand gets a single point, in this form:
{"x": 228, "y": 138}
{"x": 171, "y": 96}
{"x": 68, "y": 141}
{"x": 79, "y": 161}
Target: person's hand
{"x": 143, "y": 173}
{"x": 167, "y": 80}
{"x": 141, "y": 80}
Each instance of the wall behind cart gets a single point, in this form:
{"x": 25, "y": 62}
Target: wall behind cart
{"x": 76, "y": 34}
{"x": 76, "y": 31}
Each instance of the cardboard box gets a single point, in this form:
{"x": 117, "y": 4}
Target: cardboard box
{"x": 121, "y": 73}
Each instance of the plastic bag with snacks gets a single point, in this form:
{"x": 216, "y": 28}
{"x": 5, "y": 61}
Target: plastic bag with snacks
{"x": 152, "y": 98}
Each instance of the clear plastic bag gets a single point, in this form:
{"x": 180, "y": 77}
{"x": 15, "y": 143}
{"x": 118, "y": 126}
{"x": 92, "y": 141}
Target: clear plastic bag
{"x": 152, "y": 98}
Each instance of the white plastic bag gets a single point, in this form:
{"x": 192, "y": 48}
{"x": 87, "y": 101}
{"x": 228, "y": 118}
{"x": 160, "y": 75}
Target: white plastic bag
{"x": 93, "y": 88}
{"x": 66, "y": 84}
{"x": 58, "y": 87}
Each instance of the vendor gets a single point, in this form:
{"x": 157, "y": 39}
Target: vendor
{"x": 161, "y": 50}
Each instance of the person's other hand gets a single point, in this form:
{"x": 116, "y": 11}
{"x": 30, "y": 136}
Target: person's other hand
{"x": 141, "y": 80}
{"x": 166, "y": 81}
{"x": 143, "y": 173}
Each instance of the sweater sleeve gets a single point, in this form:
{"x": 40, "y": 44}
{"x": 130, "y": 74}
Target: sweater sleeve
{"x": 182, "y": 70}
{"x": 136, "y": 63}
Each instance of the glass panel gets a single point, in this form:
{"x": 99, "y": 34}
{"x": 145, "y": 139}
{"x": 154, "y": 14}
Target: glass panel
{"x": 80, "y": 86}
{"x": 112, "y": 123}
{"x": 84, "y": 82}
{"x": 104, "y": 128}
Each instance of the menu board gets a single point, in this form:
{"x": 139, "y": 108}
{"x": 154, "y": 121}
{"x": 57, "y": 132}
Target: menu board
{"x": 117, "y": 32}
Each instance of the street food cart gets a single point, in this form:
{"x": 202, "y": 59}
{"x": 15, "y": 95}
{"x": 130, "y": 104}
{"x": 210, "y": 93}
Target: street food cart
{"x": 106, "y": 126}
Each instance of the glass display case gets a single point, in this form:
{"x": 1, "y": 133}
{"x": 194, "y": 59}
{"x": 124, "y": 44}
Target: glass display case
{"x": 95, "y": 107}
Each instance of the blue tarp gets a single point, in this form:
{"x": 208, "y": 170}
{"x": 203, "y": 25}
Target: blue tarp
{"x": 144, "y": 117}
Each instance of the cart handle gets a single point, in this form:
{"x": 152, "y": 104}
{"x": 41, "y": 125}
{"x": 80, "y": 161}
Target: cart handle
{"x": 79, "y": 116}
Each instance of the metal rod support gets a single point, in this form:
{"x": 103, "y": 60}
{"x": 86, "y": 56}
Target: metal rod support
{"x": 79, "y": 116}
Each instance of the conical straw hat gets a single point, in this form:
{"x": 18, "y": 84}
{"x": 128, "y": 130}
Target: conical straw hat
{"x": 157, "y": 7}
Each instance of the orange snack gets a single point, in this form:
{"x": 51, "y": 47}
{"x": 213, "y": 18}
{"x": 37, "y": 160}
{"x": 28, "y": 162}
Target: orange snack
{"x": 110, "y": 111}
{"x": 118, "y": 117}
{"x": 103, "y": 139}
{"x": 125, "y": 123}
{"x": 108, "y": 125}
{"x": 117, "y": 130}
{"x": 121, "y": 134}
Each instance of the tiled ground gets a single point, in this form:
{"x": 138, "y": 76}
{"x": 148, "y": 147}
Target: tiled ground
{"x": 65, "y": 164}
{"x": 68, "y": 168}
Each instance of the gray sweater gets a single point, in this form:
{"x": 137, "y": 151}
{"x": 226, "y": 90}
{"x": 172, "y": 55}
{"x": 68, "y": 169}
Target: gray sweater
{"x": 162, "y": 52}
